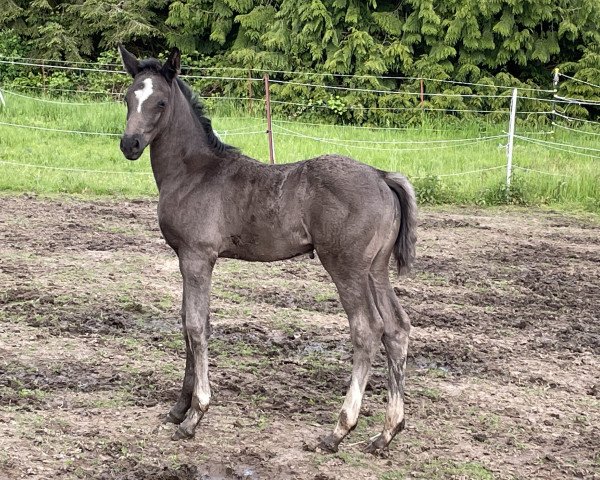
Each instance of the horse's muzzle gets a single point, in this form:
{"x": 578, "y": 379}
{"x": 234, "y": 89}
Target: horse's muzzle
{"x": 132, "y": 146}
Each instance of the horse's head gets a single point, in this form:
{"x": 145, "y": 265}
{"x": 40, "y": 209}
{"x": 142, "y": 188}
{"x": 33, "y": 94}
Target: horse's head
{"x": 148, "y": 100}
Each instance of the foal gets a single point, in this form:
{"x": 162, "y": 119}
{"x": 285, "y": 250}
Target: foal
{"x": 216, "y": 202}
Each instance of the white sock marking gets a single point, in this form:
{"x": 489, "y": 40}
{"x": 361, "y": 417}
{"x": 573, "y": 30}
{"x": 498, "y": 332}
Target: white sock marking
{"x": 143, "y": 94}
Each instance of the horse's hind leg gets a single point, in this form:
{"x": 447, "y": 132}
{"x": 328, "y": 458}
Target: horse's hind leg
{"x": 365, "y": 329}
{"x": 395, "y": 340}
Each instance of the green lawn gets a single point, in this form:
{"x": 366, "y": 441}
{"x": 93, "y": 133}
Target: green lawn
{"x": 91, "y": 164}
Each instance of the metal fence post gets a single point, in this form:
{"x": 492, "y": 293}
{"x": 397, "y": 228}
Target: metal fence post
{"x": 511, "y": 137}
{"x": 269, "y": 124}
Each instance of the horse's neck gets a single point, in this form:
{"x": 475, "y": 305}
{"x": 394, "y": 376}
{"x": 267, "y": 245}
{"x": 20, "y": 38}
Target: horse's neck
{"x": 180, "y": 139}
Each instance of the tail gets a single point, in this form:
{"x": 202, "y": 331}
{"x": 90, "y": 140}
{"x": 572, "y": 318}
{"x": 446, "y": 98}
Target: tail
{"x": 404, "y": 249}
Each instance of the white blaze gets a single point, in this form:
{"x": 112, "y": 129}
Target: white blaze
{"x": 143, "y": 94}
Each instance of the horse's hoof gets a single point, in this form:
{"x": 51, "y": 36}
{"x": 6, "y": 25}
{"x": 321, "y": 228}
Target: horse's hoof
{"x": 172, "y": 418}
{"x": 182, "y": 434}
{"x": 402, "y": 425}
{"x": 377, "y": 447}
{"x": 320, "y": 445}
{"x": 328, "y": 444}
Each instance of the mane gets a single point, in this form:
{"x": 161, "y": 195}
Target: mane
{"x": 214, "y": 142}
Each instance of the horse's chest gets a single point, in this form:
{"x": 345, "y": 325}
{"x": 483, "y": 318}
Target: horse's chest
{"x": 178, "y": 225}
{"x": 170, "y": 230}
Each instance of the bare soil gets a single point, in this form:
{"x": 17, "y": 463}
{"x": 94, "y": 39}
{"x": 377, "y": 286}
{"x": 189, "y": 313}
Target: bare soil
{"x": 503, "y": 375}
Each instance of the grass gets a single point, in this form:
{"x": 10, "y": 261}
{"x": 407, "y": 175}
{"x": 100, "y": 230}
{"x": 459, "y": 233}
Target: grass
{"x": 444, "y": 469}
{"x": 574, "y": 181}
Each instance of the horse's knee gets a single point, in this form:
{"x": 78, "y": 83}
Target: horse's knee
{"x": 198, "y": 334}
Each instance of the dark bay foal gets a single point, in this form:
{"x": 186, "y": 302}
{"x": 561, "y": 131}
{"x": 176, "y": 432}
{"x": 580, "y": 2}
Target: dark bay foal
{"x": 215, "y": 202}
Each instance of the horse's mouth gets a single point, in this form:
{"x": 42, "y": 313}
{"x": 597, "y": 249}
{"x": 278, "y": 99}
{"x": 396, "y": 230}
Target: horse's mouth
{"x": 133, "y": 155}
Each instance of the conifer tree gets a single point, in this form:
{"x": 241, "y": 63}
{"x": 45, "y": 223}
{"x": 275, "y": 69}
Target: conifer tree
{"x": 507, "y": 42}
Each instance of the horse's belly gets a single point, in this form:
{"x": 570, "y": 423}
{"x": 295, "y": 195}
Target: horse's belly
{"x": 259, "y": 256}
{"x": 266, "y": 246}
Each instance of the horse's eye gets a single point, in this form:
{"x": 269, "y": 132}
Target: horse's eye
{"x": 162, "y": 104}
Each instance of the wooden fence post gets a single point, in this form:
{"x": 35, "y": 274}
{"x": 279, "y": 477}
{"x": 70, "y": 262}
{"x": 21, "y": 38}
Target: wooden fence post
{"x": 269, "y": 124}
{"x": 250, "y": 93}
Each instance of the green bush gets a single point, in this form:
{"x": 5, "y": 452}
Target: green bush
{"x": 430, "y": 190}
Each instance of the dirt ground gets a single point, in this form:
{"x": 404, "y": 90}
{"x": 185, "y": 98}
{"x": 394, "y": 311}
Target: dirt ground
{"x": 503, "y": 375}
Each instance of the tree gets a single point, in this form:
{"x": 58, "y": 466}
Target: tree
{"x": 487, "y": 42}
{"x": 56, "y": 29}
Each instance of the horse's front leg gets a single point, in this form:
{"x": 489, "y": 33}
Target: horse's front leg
{"x": 177, "y": 413}
{"x": 196, "y": 270}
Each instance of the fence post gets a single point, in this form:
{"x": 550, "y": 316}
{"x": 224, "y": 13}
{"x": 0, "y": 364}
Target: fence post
{"x": 422, "y": 91}
{"x": 511, "y": 137}
{"x": 2, "y": 102}
{"x": 269, "y": 124}
{"x": 44, "y": 77}
{"x": 555, "y": 79}
{"x": 250, "y": 95}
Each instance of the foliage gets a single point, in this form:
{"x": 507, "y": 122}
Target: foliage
{"x": 489, "y": 42}
{"x": 57, "y": 29}
{"x": 501, "y": 194}
{"x": 430, "y": 190}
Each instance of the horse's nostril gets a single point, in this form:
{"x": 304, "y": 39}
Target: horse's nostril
{"x": 136, "y": 144}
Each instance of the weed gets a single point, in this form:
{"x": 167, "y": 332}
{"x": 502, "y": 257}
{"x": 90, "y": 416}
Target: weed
{"x": 501, "y": 194}
{"x": 430, "y": 190}
{"x": 431, "y": 393}
{"x": 325, "y": 297}
{"x": 226, "y": 294}
{"x": 173, "y": 342}
{"x": 352, "y": 459}
{"x": 165, "y": 303}
{"x": 263, "y": 422}
{"x": 442, "y": 469}
{"x": 36, "y": 394}
{"x": 437, "y": 372}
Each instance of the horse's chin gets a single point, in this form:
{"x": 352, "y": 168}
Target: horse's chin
{"x": 133, "y": 156}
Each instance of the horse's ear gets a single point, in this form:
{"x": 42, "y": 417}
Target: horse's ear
{"x": 131, "y": 64}
{"x": 172, "y": 66}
